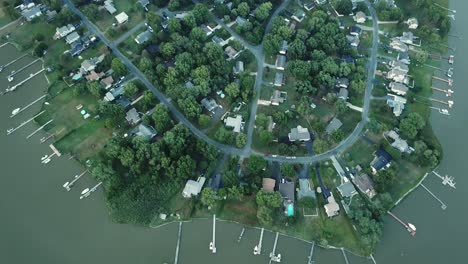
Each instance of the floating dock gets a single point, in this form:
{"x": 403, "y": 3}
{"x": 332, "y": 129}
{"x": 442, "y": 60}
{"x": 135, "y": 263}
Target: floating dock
{"x": 39, "y": 129}
{"x": 14, "y": 87}
{"x": 176, "y": 259}
{"x": 11, "y": 130}
{"x": 213, "y": 241}
{"x": 273, "y": 256}
{"x": 258, "y": 247}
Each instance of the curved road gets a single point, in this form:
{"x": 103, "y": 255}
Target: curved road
{"x": 258, "y": 53}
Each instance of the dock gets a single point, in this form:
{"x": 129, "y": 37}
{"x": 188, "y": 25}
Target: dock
{"x": 55, "y": 150}
{"x": 12, "y": 130}
{"x": 446, "y": 180}
{"x": 311, "y": 254}
{"x": 443, "y": 206}
{"x": 448, "y": 81}
{"x": 241, "y": 235}
{"x": 344, "y": 255}
{"x": 21, "y": 109}
{"x": 32, "y": 75}
{"x": 447, "y": 92}
{"x": 68, "y": 185}
{"x": 273, "y": 256}
{"x": 409, "y": 227}
{"x": 258, "y": 247}
{"x": 449, "y": 103}
{"x": 44, "y": 139}
{"x": 39, "y": 129}
{"x": 213, "y": 241}
{"x": 176, "y": 259}
{"x": 13, "y": 73}
{"x": 11, "y": 62}
{"x": 89, "y": 192}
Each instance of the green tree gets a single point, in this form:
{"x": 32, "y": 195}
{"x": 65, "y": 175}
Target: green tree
{"x": 263, "y": 11}
{"x": 287, "y": 170}
{"x": 266, "y": 137}
{"x": 174, "y": 24}
{"x": 154, "y": 20}
{"x": 130, "y": 89}
{"x": 358, "y": 86}
{"x": 40, "y": 48}
{"x": 94, "y": 88}
{"x": 344, "y": 7}
{"x": 256, "y": 164}
{"x": 235, "y": 193}
{"x": 320, "y": 146}
{"x": 118, "y": 67}
{"x": 243, "y": 9}
{"x": 208, "y": 197}
{"x": 232, "y": 90}
{"x": 410, "y": 125}
{"x": 340, "y": 106}
{"x": 241, "y": 140}
{"x": 204, "y": 120}
{"x": 264, "y": 215}
{"x": 162, "y": 119}
{"x": 173, "y": 5}
{"x": 269, "y": 199}
{"x": 421, "y": 57}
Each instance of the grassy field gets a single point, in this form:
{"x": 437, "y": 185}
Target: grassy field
{"x": 360, "y": 153}
{"x": 132, "y": 9}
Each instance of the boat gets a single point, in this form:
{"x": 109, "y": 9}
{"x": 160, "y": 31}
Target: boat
{"x": 451, "y": 59}
{"x": 9, "y": 131}
{"x": 15, "y": 111}
{"x": 10, "y": 78}
{"x": 45, "y": 157}
{"x": 85, "y": 191}
{"x": 46, "y": 161}
{"x": 444, "y": 111}
{"x": 256, "y": 250}
{"x": 65, "y": 185}
{"x": 450, "y": 72}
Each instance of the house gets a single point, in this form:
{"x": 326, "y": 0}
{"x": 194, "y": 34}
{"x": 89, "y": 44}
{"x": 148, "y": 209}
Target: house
{"x": 309, "y": 5}
{"x": 284, "y": 47}
{"x": 305, "y": 189}
{"x": 407, "y": 38}
{"x": 271, "y": 124}
{"x": 398, "y": 76}
{"x": 72, "y": 37}
{"x": 234, "y": 122}
{"x": 278, "y": 97}
{"x": 114, "y": 93}
{"x": 193, "y": 188}
{"x": 346, "y": 189}
{"x": 144, "y": 131}
{"x": 399, "y": 46}
{"x": 412, "y": 23}
{"x": 121, "y": 18}
{"x": 399, "y": 143}
{"x": 61, "y": 32}
{"x": 382, "y": 160}
{"x": 268, "y": 185}
{"x": 89, "y": 65}
{"x": 360, "y": 17}
{"x": 124, "y": 102}
{"x": 51, "y": 15}
{"x": 365, "y": 184}
{"x": 353, "y": 40}
{"x": 399, "y": 65}
{"x": 109, "y": 6}
{"x": 218, "y": 40}
{"x": 321, "y": 2}
{"x": 93, "y": 76}
{"x": 355, "y": 31}
{"x": 331, "y": 208}
{"x": 231, "y": 52}
{"x": 299, "y": 133}
{"x": 143, "y": 37}
{"x": 107, "y": 82}
{"x": 280, "y": 62}
{"x": 278, "y": 79}
{"x": 343, "y": 94}
{"x": 76, "y": 48}
{"x": 404, "y": 57}
{"x": 397, "y": 103}
{"x": 143, "y": 3}
{"x": 334, "y": 124}
{"x": 31, "y": 11}
{"x": 238, "y": 68}
{"x": 286, "y": 188}
{"x": 342, "y": 82}
{"x": 240, "y": 21}
{"x": 398, "y": 88}
{"x": 298, "y": 15}
{"x": 132, "y": 116}
{"x": 209, "y": 104}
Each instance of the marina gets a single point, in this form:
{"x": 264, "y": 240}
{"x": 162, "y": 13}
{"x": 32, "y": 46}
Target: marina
{"x": 273, "y": 256}
{"x": 18, "y": 110}
{"x": 12, "y": 130}
{"x": 69, "y": 185}
{"x": 14, "y": 87}
{"x": 2, "y": 67}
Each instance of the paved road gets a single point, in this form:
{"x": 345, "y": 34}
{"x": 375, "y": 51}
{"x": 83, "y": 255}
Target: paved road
{"x": 129, "y": 33}
{"x": 258, "y": 53}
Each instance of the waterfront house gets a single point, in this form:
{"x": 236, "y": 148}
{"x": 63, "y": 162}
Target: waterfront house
{"x": 121, "y": 18}
{"x": 398, "y": 75}
{"x": 280, "y": 62}
{"x": 279, "y": 76}
{"x": 382, "y": 160}
{"x": 346, "y": 189}
{"x": 299, "y": 133}
{"x": 360, "y": 17}
{"x": 193, "y": 188}
{"x": 398, "y": 142}
{"x": 407, "y": 38}
{"x": 286, "y": 188}
{"x": 397, "y": 103}
{"x": 404, "y": 57}
{"x": 398, "y": 88}
{"x": 144, "y": 131}
{"x": 399, "y": 65}
{"x": 334, "y": 125}
{"x": 235, "y": 123}
{"x": 365, "y": 184}
{"x": 72, "y": 37}
{"x": 268, "y": 185}
{"x": 331, "y": 208}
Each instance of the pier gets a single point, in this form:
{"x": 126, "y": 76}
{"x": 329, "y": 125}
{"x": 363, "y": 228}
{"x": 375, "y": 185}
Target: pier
{"x": 448, "y": 81}
{"x": 21, "y": 109}
{"x": 447, "y": 92}
{"x": 446, "y": 180}
{"x": 344, "y": 255}
{"x": 311, "y": 254}
{"x": 273, "y": 256}
{"x": 68, "y": 185}
{"x": 241, "y": 235}
{"x": 13, "y": 73}
{"x": 11, "y": 62}
{"x": 176, "y": 259}
{"x": 443, "y": 206}
{"x": 39, "y": 129}
{"x": 441, "y": 111}
{"x": 213, "y": 241}
{"x": 409, "y": 227}
{"x": 44, "y": 139}
{"x": 11, "y": 130}
{"x": 449, "y": 103}
{"x": 258, "y": 247}
{"x": 32, "y": 75}
{"x": 85, "y": 193}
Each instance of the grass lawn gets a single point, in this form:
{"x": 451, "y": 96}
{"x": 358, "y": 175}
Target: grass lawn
{"x": 360, "y": 153}
{"x": 4, "y": 18}
{"x": 132, "y": 9}
{"x": 244, "y": 211}
{"x": 350, "y": 119}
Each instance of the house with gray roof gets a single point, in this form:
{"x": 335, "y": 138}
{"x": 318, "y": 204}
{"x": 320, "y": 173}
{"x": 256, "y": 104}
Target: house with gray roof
{"x": 398, "y": 88}
{"x": 287, "y": 190}
{"x": 143, "y": 37}
{"x": 365, "y": 184}
{"x": 32, "y": 12}
{"x": 346, "y": 189}
{"x": 209, "y": 104}
{"x": 61, "y": 32}
{"x": 72, "y": 37}
{"x": 343, "y": 94}
{"x": 238, "y": 68}
{"x": 132, "y": 116}
{"x": 299, "y": 133}
{"x": 279, "y": 76}
{"x": 342, "y": 82}
{"x": 306, "y": 189}
{"x": 382, "y": 160}
{"x": 144, "y": 131}
{"x": 280, "y": 62}
{"x": 283, "y": 47}
{"x": 334, "y": 124}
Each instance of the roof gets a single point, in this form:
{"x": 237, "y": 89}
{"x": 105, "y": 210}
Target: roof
{"x": 240, "y": 20}
{"x": 343, "y": 94}
{"x": 360, "y": 16}
{"x": 365, "y": 184}
{"x": 284, "y": 47}
{"x": 31, "y": 13}
{"x": 407, "y": 37}
{"x": 109, "y": 6}
{"x": 72, "y": 37}
{"x": 299, "y": 133}
{"x": 234, "y": 122}
{"x": 268, "y": 184}
{"x": 381, "y": 160}
{"x": 132, "y": 116}
{"x": 193, "y": 188}
{"x": 209, "y": 104}
{"x": 123, "y": 102}
{"x": 108, "y": 81}
{"x": 342, "y": 82}
{"x": 398, "y": 88}
{"x": 279, "y": 79}
{"x": 143, "y": 2}
{"x": 231, "y": 52}
{"x": 278, "y": 97}
{"x": 143, "y": 37}
{"x": 144, "y": 131}
{"x": 397, "y": 103}
{"x": 121, "y": 18}
{"x": 334, "y": 124}
{"x": 398, "y": 45}
{"x": 331, "y": 208}
{"x": 280, "y": 61}
{"x": 355, "y": 30}
{"x": 239, "y": 67}
{"x": 217, "y": 40}
{"x": 399, "y": 65}
{"x": 347, "y": 189}
{"x": 353, "y": 40}
{"x": 305, "y": 189}
{"x": 93, "y": 76}
{"x": 286, "y": 189}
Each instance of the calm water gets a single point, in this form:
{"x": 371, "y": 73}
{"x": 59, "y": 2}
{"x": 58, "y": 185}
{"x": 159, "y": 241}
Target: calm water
{"x": 42, "y": 223}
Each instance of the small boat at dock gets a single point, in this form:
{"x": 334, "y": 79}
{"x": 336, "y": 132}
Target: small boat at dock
{"x": 15, "y": 111}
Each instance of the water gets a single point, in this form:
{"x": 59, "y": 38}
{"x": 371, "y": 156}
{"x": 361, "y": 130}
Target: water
{"x": 41, "y": 222}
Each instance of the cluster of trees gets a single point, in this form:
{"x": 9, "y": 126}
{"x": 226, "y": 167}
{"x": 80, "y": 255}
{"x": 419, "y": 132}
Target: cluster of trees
{"x": 388, "y": 12}
{"x": 411, "y": 125}
{"x": 140, "y": 176}
{"x": 369, "y": 223}
{"x": 267, "y": 206}
{"x": 434, "y": 20}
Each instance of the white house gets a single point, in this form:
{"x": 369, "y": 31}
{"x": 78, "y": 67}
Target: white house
{"x": 412, "y": 23}
{"x": 360, "y": 17}
{"x": 121, "y": 18}
{"x": 398, "y": 88}
{"x": 193, "y": 188}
